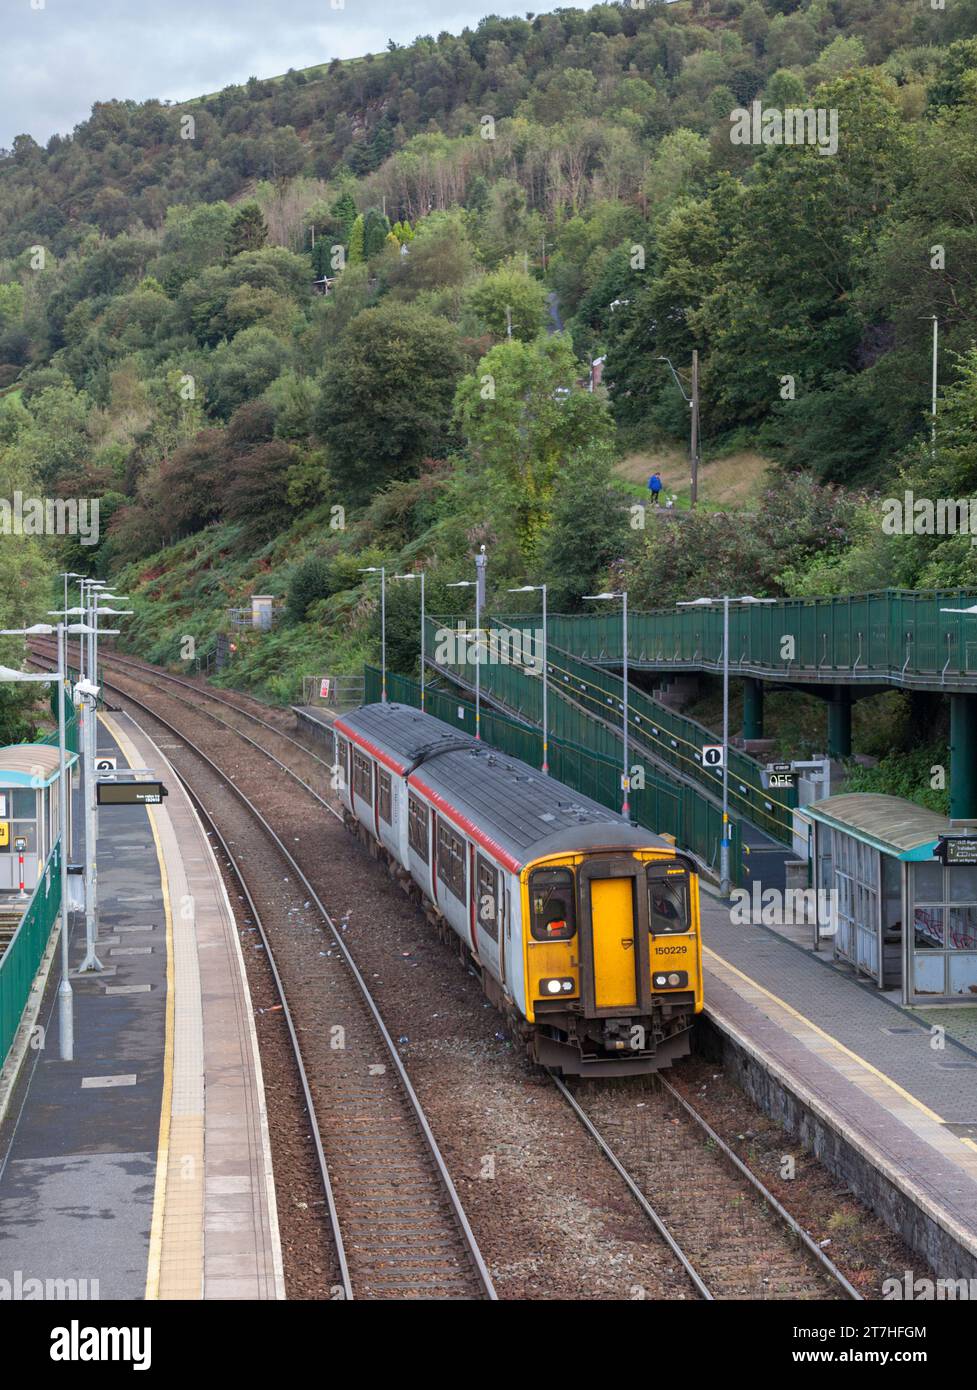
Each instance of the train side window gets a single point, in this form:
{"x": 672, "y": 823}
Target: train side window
{"x": 342, "y": 760}
{"x": 554, "y": 909}
{"x": 668, "y": 900}
{"x": 362, "y": 776}
{"x": 488, "y": 906}
{"x": 383, "y": 794}
{"x": 417, "y": 827}
{"x": 451, "y": 861}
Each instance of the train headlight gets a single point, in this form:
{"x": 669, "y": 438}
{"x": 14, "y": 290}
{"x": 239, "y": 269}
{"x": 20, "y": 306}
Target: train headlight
{"x": 560, "y": 986}
{"x": 670, "y": 979}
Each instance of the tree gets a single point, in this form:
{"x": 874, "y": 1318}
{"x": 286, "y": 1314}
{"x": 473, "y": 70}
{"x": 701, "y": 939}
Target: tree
{"x": 509, "y": 294}
{"x": 386, "y": 396}
{"x": 375, "y": 229}
{"x": 248, "y": 231}
{"x": 522, "y": 416}
{"x": 355, "y": 254}
{"x": 587, "y": 532}
{"x": 344, "y": 211}
{"x": 257, "y": 495}
{"x": 244, "y": 368}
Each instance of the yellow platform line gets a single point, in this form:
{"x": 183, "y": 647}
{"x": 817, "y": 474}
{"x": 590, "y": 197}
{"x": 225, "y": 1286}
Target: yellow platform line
{"x": 846, "y": 1051}
{"x": 166, "y": 1103}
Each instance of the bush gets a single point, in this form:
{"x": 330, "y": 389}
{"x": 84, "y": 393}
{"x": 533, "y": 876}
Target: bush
{"x": 311, "y": 580}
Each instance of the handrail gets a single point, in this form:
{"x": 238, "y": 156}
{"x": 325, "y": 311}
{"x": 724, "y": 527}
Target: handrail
{"x": 21, "y": 960}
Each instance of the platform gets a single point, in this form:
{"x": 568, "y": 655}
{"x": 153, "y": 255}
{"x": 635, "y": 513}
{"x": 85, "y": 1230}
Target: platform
{"x": 142, "y": 1169}
{"x": 857, "y": 1076}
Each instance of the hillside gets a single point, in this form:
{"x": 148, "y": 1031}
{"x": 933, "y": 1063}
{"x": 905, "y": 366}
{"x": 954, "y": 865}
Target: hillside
{"x": 163, "y": 347}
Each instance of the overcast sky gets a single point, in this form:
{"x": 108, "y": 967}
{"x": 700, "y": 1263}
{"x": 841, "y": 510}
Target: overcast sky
{"x": 63, "y": 55}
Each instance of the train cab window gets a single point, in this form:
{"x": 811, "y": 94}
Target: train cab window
{"x": 488, "y": 906}
{"x": 362, "y": 776}
{"x": 383, "y": 794}
{"x": 451, "y": 861}
{"x": 553, "y": 902}
{"x": 668, "y": 899}
{"x": 417, "y": 827}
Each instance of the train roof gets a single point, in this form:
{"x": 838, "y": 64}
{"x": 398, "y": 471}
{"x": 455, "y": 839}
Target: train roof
{"x": 522, "y": 812}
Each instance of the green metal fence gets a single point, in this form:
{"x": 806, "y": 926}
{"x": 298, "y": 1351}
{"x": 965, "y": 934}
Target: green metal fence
{"x": 891, "y": 637}
{"x": 583, "y": 697}
{"x": 663, "y": 806}
{"x": 19, "y": 963}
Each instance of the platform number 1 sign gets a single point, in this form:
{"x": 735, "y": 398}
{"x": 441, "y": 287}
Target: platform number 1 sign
{"x": 712, "y": 755}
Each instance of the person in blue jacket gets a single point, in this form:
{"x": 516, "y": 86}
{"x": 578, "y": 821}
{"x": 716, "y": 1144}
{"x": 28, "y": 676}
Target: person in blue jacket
{"x": 655, "y": 488}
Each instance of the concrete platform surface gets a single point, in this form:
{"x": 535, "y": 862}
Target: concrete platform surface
{"x": 114, "y": 1168}
{"x": 902, "y": 1097}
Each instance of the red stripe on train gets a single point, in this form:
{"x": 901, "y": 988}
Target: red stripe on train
{"x": 436, "y": 798}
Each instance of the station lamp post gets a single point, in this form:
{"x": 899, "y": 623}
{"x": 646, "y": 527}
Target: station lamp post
{"x": 65, "y": 995}
{"x": 541, "y": 589}
{"x": 724, "y": 878}
{"x": 476, "y": 585}
{"x": 66, "y": 575}
{"x": 622, "y": 594}
{"x": 86, "y": 695}
{"x": 381, "y": 570}
{"x": 111, "y": 613}
{"x": 418, "y": 574}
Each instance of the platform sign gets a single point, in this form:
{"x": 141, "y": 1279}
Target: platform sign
{"x": 129, "y": 793}
{"x": 960, "y": 849}
{"x": 712, "y": 755}
{"x": 105, "y": 763}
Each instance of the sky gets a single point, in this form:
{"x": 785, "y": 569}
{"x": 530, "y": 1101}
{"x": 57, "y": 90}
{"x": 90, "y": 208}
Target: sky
{"x": 60, "y": 56}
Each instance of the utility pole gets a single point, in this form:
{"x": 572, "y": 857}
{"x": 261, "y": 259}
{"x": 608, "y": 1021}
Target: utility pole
{"x": 508, "y": 321}
{"x": 694, "y": 491}
{"x": 936, "y": 351}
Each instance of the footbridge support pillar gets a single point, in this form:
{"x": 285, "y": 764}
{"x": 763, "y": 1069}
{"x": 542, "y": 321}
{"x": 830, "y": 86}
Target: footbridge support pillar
{"x": 839, "y": 722}
{"x": 752, "y": 708}
{"x": 963, "y": 757}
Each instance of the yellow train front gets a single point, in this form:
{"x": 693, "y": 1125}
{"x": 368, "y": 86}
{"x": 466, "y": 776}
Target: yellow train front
{"x": 584, "y": 928}
{"x": 613, "y": 957}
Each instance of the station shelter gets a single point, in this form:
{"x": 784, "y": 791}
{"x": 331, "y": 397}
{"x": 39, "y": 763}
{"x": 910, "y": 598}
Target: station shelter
{"x": 902, "y": 916}
{"x": 29, "y": 812}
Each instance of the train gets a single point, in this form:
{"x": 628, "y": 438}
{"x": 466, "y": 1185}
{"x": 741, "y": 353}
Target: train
{"x": 583, "y": 927}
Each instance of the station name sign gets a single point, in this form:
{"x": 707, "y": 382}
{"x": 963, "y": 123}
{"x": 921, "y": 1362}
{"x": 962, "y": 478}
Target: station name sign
{"x": 129, "y": 793}
{"x": 960, "y": 849}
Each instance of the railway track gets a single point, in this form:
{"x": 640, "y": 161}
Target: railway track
{"x": 678, "y": 1154}
{"x": 708, "y": 1270}
{"x": 397, "y": 1223}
